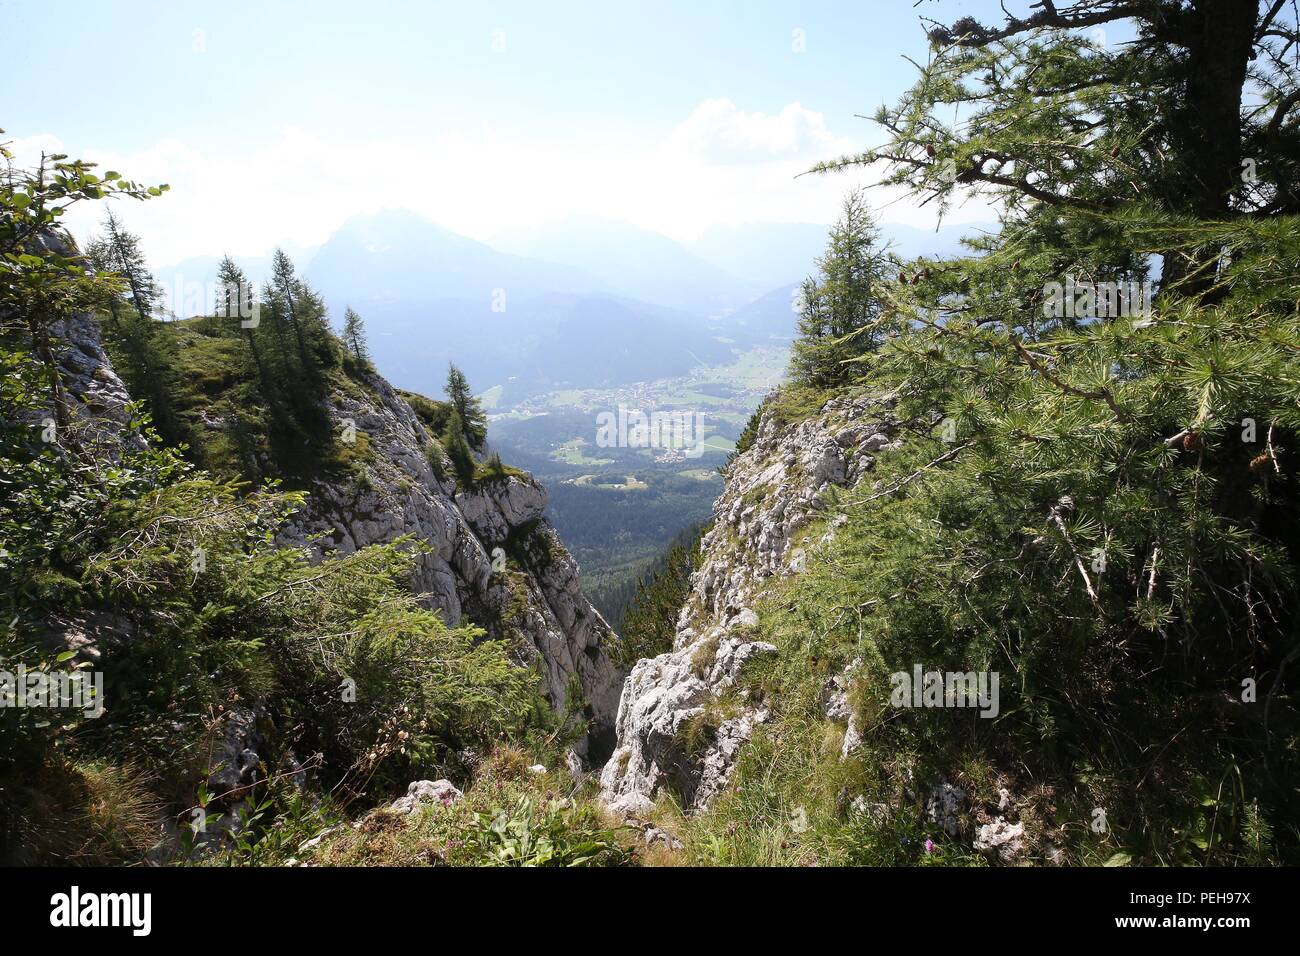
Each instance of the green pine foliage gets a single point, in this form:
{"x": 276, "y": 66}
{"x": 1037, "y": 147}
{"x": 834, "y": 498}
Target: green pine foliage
{"x": 354, "y": 338}
{"x": 473, "y": 420}
{"x": 119, "y": 252}
{"x": 260, "y": 368}
{"x": 1100, "y": 507}
{"x": 839, "y": 307}
{"x": 357, "y": 687}
{"x": 134, "y": 321}
{"x": 458, "y": 450}
{"x": 1098, "y": 504}
{"x": 215, "y": 614}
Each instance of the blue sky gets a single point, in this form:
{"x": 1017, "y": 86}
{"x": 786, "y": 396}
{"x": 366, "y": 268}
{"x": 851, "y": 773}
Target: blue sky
{"x": 274, "y": 121}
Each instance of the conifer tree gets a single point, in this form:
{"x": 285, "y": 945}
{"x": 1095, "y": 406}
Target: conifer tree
{"x": 468, "y": 408}
{"x": 287, "y": 287}
{"x": 458, "y": 450}
{"x": 127, "y": 258}
{"x": 147, "y": 367}
{"x": 649, "y": 622}
{"x": 1108, "y": 505}
{"x": 313, "y": 316}
{"x": 99, "y": 256}
{"x": 272, "y": 329}
{"x": 354, "y": 336}
{"x": 839, "y": 306}
{"x": 1194, "y": 116}
{"x": 235, "y": 292}
{"x": 42, "y": 279}
{"x": 233, "y": 288}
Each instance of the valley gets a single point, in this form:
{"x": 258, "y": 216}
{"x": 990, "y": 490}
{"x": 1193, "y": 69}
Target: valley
{"x": 556, "y": 325}
{"x": 617, "y": 509}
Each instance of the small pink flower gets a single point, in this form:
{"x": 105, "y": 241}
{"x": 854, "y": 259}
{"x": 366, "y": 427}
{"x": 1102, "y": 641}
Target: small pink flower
{"x": 929, "y": 846}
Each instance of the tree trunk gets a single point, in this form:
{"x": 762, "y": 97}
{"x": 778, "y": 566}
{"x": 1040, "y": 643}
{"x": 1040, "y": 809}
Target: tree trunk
{"x": 1219, "y": 36}
{"x": 297, "y": 331}
{"x": 1216, "y": 75}
{"x": 41, "y": 342}
{"x": 257, "y": 358}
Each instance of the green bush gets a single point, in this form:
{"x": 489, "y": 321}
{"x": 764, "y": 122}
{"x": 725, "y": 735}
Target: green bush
{"x": 213, "y": 615}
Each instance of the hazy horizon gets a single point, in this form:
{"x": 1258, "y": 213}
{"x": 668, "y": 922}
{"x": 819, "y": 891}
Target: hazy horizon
{"x": 274, "y": 129}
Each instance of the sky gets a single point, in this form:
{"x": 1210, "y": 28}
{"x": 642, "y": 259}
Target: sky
{"x": 273, "y": 122}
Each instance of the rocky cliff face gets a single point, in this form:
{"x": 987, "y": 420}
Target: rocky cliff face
{"x": 773, "y": 491}
{"x": 94, "y": 398}
{"x": 493, "y": 559}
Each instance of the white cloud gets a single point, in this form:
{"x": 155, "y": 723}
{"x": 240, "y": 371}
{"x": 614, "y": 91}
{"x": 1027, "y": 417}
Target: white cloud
{"x": 718, "y": 131}
{"x": 720, "y": 165}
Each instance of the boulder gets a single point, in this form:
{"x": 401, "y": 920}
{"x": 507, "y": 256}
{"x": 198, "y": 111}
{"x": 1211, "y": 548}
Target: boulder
{"x": 424, "y": 792}
{"x": 1002, "y": 839}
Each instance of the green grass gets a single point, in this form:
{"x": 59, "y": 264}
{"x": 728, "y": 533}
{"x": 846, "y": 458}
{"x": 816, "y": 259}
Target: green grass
{"x": 509, "y": 816}
{"x": 432, "y": 413}
{"x": 572, "y": 453}
{"x": 210, "y": 387}
{"x": 486, "y": 472}
{"x": 790, "y": 799}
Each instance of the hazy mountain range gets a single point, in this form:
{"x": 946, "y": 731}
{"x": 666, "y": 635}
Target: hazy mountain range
{"x": 577, "y": 303}
{"x": 638, "y": 264}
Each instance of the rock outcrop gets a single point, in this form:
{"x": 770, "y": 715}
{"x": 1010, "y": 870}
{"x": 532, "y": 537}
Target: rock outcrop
{"x": 679, "y": 728}
{"x": 421, "y": 792}
{"x": 94, "y": 401}
{"x": 493, "y": 559}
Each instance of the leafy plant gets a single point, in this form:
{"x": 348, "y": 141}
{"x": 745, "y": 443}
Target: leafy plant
{"x": 552, "y": 834}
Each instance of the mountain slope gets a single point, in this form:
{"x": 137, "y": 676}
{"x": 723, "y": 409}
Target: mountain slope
{"x": 684, "y": 717}
{"x": 635, "y": 262}
{"x": 529, "y": 595}
{"x": 768, "y": 253}
{"x": 537, "y": 344}
{"x": 399, "y": 257}
{"x": 490, "y": 558}
{"x": 771, "y": 318}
